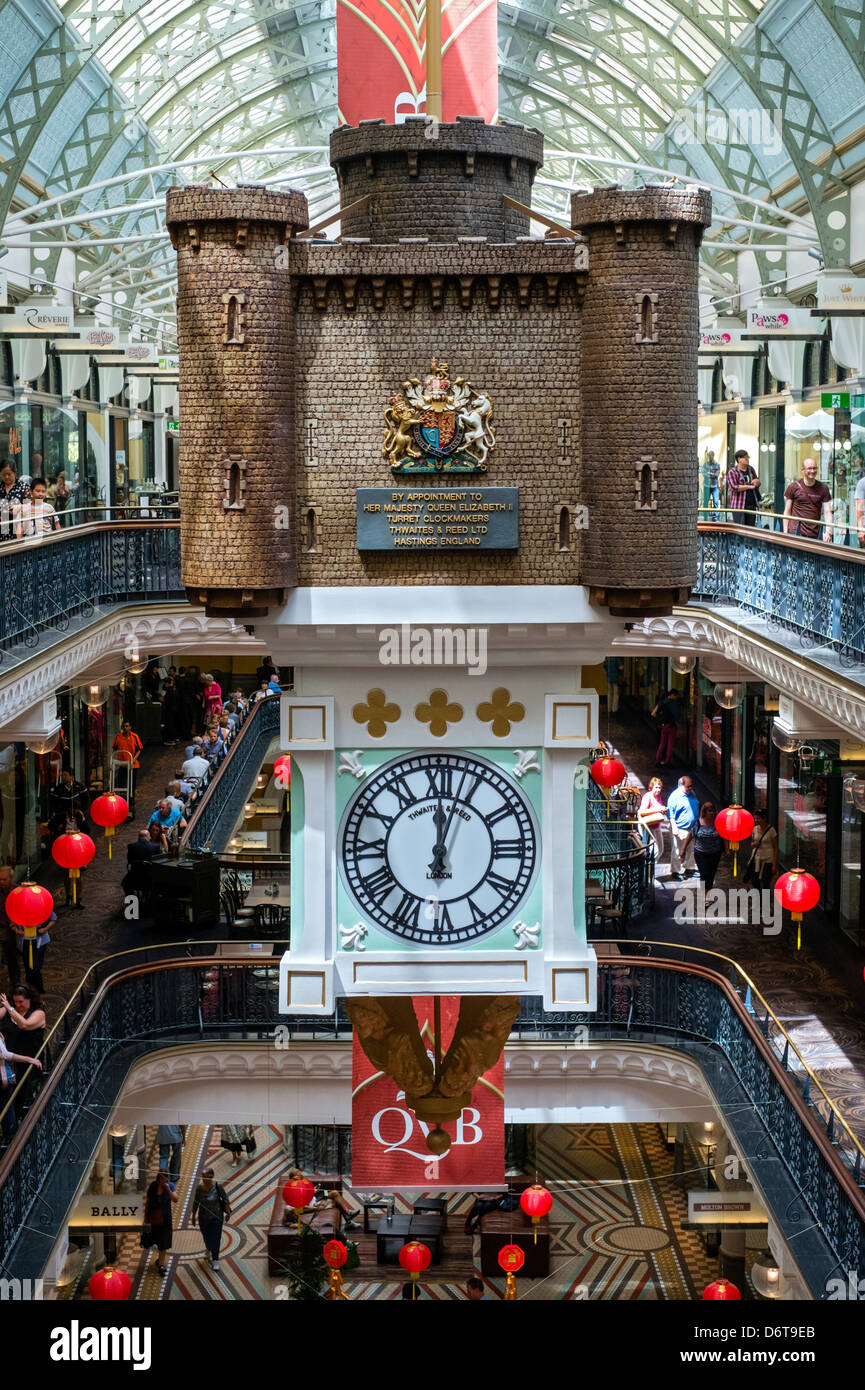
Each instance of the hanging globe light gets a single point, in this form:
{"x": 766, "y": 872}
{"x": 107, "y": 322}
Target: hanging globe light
{"x": 95, "y": 693}
{"x": 729, "y": 694}
{"x": 784, "y": 738}
{"x": 765, "y": 1275}
{"x": 683, "y": 663}
{"x": 855, "y": 789}
{"x": 137, "y": 665}
{"x": 43, "y": 743}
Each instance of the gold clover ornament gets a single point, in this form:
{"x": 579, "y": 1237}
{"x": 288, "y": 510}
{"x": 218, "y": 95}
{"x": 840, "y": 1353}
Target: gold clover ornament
{"x": 500, "y": 712}
{"x": 376, "y": 714}
{"x": 439, "y": 713}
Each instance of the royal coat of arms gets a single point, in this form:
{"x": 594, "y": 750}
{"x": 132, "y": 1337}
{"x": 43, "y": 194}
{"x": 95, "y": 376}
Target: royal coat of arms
{"x": 438, "y": 426}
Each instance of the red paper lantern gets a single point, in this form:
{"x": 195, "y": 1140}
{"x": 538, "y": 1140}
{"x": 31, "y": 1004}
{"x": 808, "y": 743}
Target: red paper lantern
{"x": 734, "y": 825}
{"x": 72, "y": 852}
{"x": 722, "y": 1290}
{"x": 335, "y": 1254}
{"x": 110, "y": 1285}
{"x": 282, "y": 771}
{"x": 28, "y": 906}
{"x": 297, "y": 1194}
{"x": 511, "y": 1258}
{"x": 536, "y": 1202}
{"x": 798, "y": 891}
{"x": 608, "y": 772}
{"x": 109, "y": 811}
{"x": 414, "y": 1259}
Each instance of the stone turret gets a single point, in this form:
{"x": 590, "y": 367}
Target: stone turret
{"x": 441, "y": 181}
{"x": 235, "y": 315}
{"x": 639, "y": 394}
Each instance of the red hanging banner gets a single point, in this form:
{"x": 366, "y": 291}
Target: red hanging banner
{"x": 388, "y": 1142}
{"x": 381, "y": 62}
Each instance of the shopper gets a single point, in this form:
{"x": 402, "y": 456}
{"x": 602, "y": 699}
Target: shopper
{"x": 807, "y": 499}
{"x": 8, "y": 1082}
{"x": 231, "y": 1138}
{"x": 762, "y": 867}
{"x": 8, "y": 940}
{"x": 13, "y": 491}
{"x": 194, "y": 768}
{"x": 127, "y": 746}
{"x": 713, "y": 481}
{"x": 683, "y": 810}
{"x": 170, "y": 1139}
{"x": 475, "y": 1292}
{"x": 744, "y": 488}
{"x": 653, "y": 816}
{"x": 33, "y": 951}
{"x": 59, "y": 497}
{"x": 707, "y": 844}
{"x": 212, "y": 1207}
{"x": 24, "y": 1026}
{"x": 139, "y": 857}
{"x": 170, "y": 821}
{"x": 170, "y": 711}
{"x": 211, "y": 698}
{"x": 157, "y": 1228}
{"x": 36, "y": 517}
{"x": 666, "y": 711}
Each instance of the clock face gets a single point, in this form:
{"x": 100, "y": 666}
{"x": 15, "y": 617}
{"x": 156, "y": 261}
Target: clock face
{"x": 438, "y": 848}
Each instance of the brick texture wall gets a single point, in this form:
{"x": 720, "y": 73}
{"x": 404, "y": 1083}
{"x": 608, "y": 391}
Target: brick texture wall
{"x": 236, "y": 399}
{"x": 639, "y": 398}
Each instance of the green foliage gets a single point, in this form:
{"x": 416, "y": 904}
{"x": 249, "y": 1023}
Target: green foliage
{"x": 305, "y": 1269}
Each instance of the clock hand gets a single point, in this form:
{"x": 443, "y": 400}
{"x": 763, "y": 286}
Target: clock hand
{"x": 440, "y": 849}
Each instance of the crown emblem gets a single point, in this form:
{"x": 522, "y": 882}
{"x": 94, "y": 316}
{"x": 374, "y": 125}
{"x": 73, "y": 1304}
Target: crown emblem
{"x": 438, "y": 425}
{"x": 845, "y": 289}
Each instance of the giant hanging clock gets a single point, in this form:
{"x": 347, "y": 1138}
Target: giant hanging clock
{"x": 439, "y": 848}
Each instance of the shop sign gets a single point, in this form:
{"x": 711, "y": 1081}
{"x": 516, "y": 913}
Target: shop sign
{"x": 724, "y": 338}
{"x": 388, "y": 1141}
{"x": 729, "y": 1207}
{"x": 838, "y": 291}
{"x": 778, "y": 318}
{"x": 121, "y": 1211}
{"x": 440, "y": 519}
{"x": 41, "y": 318}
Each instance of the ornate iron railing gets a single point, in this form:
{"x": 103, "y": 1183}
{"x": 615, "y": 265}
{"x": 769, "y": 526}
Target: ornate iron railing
{"x": 616, "y": 854}
{"x": 229, "y": 788}
{"x": 801, "y": 1164}
{"x": 815, "y": 592}
{"x": 49, "y": 582}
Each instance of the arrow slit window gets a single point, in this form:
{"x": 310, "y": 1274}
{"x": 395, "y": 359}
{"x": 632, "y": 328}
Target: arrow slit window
{"x": 647, "y": 310}
{"x": 235, "y": 318}
{"x": 234, "y": 483}
{"x": 646, "y": 485}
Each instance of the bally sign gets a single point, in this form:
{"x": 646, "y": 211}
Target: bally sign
{"x": 388, "y": 1141}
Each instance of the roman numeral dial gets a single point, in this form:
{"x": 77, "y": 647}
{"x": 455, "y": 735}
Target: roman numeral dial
{"x": 439, "y": 848}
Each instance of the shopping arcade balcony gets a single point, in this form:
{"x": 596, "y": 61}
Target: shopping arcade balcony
{"x": 793, "y": 1142}
{"x": 813, "y": 591}
{"x": 53, "y": 582}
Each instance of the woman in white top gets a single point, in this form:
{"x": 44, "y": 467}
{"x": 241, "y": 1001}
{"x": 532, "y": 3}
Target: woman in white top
{"x": 764, "y": 853}
{"x": 652, "y": 814}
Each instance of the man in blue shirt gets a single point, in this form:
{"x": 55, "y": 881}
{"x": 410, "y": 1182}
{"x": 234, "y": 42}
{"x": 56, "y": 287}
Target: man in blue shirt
{"x": 167, "y": 817}
{"x": 683, "y": 809}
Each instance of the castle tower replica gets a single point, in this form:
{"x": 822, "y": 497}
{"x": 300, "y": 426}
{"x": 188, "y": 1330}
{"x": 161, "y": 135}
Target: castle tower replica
{"x": 638, "y": 391}
{"x": 486, "y": 442}
{"x": 236, "y": 336}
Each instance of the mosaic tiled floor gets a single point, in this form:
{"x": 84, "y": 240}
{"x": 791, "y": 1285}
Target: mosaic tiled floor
{"x": 615, "y": 1227}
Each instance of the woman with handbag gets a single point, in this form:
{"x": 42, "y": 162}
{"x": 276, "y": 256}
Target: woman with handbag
{"x": 653, "y": 815}
{"x": 232, "y": 1138}
{"x": 708, "y": 845}
{"x": 212, "y": 1207}
{"x": 762, "y": 867}
{"x": 157, "y": 1228}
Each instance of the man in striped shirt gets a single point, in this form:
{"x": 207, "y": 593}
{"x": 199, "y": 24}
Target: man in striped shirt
{"x": 744, "y": 488}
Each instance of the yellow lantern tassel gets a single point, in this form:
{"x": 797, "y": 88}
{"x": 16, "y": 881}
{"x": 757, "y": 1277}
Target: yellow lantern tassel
{"x": 510, "y": 1288}
{"x": 73, "y": 874}
{"x": 335, "y": 1289}
{"x": 535, "y": 1230}
{"x": 797, "y": 918}
{"x": 109, "y": 831}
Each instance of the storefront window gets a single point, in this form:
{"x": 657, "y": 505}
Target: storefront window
{"x": 802, "y": 800}
{"x": 851, "y": 909}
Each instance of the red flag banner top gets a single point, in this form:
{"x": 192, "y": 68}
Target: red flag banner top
{"x": 388, "y": 1142}
{"x": 381, "y": 59}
